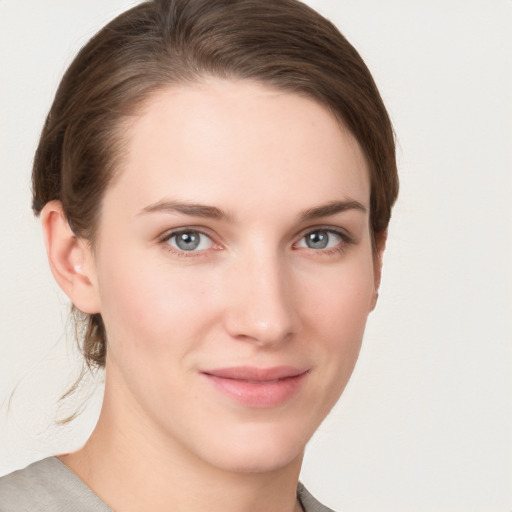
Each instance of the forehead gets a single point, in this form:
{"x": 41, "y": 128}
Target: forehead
{"x": 222, "y": 141}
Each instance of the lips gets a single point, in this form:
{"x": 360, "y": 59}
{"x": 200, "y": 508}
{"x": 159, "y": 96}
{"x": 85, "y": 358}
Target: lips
{"x": 258, "y": 387}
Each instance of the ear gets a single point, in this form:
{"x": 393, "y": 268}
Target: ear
{"x": 70, "y": 258}
{"x": 380, "y": 244}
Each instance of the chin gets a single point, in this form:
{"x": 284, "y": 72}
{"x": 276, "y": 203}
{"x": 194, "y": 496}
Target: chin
{"x": 258, "y": 461}
{"x": 256, "y": 449}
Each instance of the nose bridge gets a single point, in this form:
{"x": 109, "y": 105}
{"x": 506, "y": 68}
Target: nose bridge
{"x": 261, "y": 304}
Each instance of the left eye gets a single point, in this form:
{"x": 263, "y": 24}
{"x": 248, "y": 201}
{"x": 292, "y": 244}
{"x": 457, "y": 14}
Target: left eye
{"x": 190, "y": 241}
{"x": 321, "y": 239}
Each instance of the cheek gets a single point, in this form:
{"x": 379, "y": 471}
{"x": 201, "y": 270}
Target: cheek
{"x": 146, "y": 305}
{"x": 342, "y": 298}
{"x": 337, "y": 317}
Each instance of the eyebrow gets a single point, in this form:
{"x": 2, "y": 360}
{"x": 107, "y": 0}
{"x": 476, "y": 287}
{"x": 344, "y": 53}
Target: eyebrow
{"x": 212, "y": 212}
{"x": 331, "y": 208}
{"x": 194, "y": 209}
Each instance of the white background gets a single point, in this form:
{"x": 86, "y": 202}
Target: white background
{"x": 426, "y": 421}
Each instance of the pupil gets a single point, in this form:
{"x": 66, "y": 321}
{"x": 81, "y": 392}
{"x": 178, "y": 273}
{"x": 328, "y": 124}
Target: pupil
{"x": 317, "y": 240}
{"x": 187, "y": 241}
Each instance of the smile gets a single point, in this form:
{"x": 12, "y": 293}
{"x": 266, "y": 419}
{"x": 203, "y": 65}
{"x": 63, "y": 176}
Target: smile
{"x": 256, "y": 387}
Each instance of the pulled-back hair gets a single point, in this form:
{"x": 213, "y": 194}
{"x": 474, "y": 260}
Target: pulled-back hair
{"x": 283, "y": 44}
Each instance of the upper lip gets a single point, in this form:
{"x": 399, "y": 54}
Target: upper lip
{"x": 254, "y": 374}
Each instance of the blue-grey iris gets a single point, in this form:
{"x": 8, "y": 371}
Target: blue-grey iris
{"x": 188, "y": 241}
{"x": 317, "y": 240}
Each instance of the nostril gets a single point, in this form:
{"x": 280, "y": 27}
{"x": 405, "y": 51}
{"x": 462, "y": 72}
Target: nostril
{"x": 262, "y": 326}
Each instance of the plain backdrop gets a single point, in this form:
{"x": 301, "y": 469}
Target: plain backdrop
{"x": 425, "y": 423}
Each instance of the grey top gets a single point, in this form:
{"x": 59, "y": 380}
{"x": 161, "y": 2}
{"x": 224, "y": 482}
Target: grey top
{"x": 50, "y": 486}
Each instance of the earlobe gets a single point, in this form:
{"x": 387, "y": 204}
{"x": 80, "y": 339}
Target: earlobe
{"x": 380, "y": 245}
{"x": 70, "y": 259}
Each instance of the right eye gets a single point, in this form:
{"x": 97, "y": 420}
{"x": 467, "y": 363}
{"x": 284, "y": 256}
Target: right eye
{"x": 189, "y": 241}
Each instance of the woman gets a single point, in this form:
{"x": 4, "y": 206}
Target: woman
{"x": 215, "y": 179}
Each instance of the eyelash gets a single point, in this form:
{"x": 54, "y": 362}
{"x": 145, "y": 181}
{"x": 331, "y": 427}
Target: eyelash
{"x": 345, "y": 241}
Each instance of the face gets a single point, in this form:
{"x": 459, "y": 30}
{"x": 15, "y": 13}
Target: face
{"x": 234, "y": 272}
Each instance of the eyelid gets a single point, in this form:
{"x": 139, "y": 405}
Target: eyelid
{"x": 345, "y": 234}
{"x": 185, "y": 229}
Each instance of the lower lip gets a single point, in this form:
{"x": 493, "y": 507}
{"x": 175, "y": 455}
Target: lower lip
{"x": 258, "y": 394}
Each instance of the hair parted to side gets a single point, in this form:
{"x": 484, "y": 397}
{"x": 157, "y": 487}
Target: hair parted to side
{"x": 283, "y": 44}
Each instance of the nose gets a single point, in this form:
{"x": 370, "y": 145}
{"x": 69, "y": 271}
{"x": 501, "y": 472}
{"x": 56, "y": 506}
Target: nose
{"x": 260, "y": 301}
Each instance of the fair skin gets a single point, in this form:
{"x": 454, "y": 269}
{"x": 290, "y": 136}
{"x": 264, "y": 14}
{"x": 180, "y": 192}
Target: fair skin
{"x": 234, "y": 270}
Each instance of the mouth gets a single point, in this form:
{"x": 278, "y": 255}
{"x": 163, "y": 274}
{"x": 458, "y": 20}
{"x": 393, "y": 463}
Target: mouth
{"x": 258, "y": 387}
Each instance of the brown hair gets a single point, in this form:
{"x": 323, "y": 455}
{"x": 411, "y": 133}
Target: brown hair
{"x": 283, "y": 43}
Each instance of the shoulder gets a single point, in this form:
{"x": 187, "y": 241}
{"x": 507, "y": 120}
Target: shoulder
{"x": 47, "y": 485}
{"x": 308, "y": 502}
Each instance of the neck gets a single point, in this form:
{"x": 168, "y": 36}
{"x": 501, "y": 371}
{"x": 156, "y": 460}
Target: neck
{"x": 132, "y": 466}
